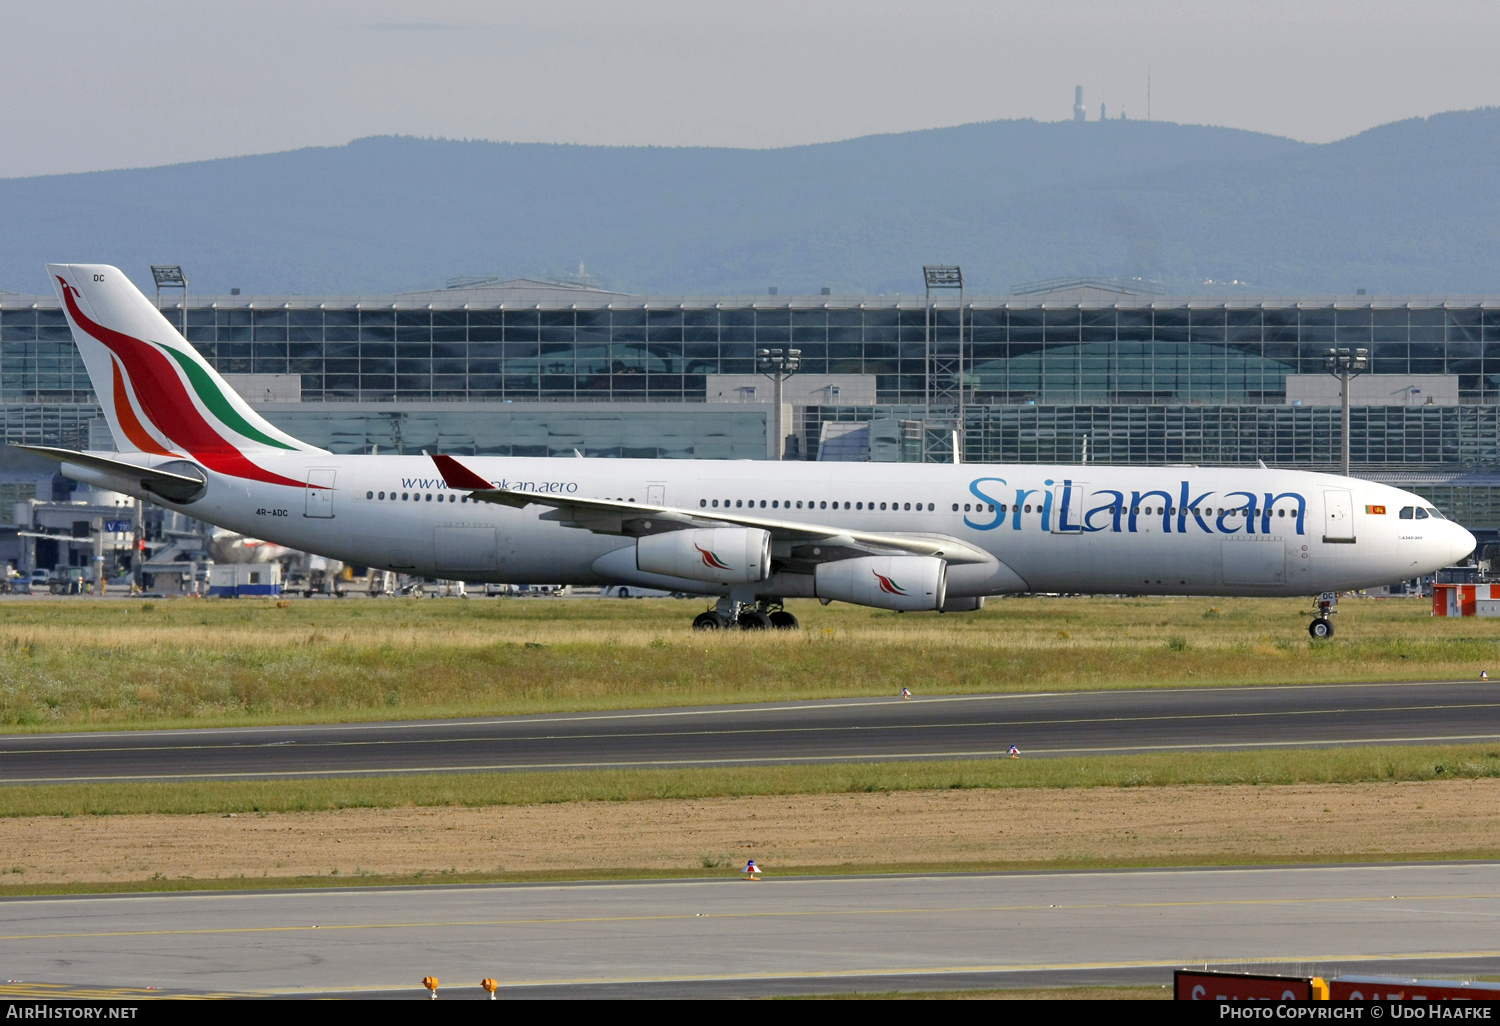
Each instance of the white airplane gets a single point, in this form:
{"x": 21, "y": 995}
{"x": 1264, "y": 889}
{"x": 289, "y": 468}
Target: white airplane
{"x": 894, "y": 536}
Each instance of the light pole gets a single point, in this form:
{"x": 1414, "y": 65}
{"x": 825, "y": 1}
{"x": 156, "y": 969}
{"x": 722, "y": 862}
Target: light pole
{"x": 778, "y": 365}
{"x": 1345, "y": 364}
{"x": 945, "y": 366}
{"x": 170, "y": 276}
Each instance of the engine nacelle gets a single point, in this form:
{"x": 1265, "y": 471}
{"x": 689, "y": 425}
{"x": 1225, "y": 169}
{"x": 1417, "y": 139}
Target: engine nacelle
{"x": 886, "y": 582}
{"x": 719, "y": 555}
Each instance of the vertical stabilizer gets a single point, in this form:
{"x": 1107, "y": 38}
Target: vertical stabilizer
{"x": 159, "y": 395}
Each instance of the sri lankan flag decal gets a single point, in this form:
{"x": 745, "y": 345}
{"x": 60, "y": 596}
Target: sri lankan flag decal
{"x": 1378, "y": 511}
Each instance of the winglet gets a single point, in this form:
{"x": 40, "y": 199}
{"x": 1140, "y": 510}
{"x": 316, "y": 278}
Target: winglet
{"x": 458, "y": 476}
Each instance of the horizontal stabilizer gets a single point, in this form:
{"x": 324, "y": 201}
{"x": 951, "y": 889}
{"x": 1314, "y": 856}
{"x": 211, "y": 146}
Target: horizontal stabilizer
{"x": 184, "y": 483}
{"x": 108, "y": 466}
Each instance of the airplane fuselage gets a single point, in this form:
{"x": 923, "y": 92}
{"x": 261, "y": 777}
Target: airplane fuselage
{"x": 1140, "y": 530}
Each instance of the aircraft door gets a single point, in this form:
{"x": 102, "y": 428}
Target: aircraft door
{"x": 319, "y": 493}
{"x": 1068, "y": 509}
{"x": 656, "y": 495}
{"x": 1338, "y": 517}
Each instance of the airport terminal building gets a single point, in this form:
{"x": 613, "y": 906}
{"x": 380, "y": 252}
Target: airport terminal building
{"x": 1085, "y": 371}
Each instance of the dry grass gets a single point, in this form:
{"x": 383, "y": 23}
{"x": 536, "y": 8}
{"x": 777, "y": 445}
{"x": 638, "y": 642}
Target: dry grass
{"x": 88, "y": 662}
{"x": 996, "y": 829}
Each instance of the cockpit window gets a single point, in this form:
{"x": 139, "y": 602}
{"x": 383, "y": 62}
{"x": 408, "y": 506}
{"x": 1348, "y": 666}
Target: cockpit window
{"x": 1406, "y": 513}
{"x": 1435, "y": 514}
{"x": 1421, "y": 513}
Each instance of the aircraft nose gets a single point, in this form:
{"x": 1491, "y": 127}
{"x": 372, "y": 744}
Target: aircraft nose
{"x": 1461, "y": 541}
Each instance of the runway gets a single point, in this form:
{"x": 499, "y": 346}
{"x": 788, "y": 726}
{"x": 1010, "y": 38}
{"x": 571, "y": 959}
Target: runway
{"x": 941, "y": 727}
{"x": 729, "y": 936}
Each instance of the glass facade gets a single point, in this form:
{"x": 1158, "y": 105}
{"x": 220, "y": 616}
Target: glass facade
{"x": 1161, "y": 353}
{"x": 1384, "y": 437}
{"x": 1141, "y": 380}
{"x": 662, "y": 431}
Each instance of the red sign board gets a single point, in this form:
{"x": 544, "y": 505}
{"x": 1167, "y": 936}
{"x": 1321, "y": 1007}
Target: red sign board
{"x": 1191, "y": 985}
{"x": 1374, "y": 988}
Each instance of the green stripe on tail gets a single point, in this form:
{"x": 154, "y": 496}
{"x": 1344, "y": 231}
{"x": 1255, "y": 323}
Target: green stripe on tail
{"x": 217, "y": 403}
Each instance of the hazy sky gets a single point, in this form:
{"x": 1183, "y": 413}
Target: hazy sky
{"x": 93, "y": 84}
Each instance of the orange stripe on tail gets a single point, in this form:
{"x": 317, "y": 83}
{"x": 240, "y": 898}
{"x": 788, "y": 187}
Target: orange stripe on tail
{"x": 125, "y": 414}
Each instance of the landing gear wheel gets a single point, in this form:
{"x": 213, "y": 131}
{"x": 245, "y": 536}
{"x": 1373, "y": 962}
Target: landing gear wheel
{"x": 754, "y": 620}
{"x": 784, "y": 621}
{"x": 1321, "y": 628}
{"x": 707, "y": 622}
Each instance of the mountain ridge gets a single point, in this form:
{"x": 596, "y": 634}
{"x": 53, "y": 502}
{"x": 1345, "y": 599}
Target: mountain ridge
{"x": 1405, "y": 207}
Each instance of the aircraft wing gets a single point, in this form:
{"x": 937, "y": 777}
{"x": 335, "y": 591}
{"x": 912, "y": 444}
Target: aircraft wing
{"x": 612, "y": 516}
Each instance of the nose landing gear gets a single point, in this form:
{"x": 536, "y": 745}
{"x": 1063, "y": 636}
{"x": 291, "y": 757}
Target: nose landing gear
{"x": 1322, "y": 626}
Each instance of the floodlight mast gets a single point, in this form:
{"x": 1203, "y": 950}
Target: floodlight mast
{"x": 778, "y": 365}
{"x": 1345, "y": 364}
{"x": 170, "y": 276}
{"x": 942, "y": 366}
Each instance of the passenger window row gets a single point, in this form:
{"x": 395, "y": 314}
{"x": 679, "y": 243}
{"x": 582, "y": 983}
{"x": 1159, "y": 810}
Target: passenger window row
{"x": 810, "y": 504}
{"x": 1407, "y": 513}
{"x": 1135, "y": 510}
{"x": 417, "y": 497}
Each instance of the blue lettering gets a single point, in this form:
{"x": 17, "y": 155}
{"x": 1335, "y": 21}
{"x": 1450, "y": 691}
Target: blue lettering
{"x": 1021, "y": 494}
{"x": 1047, "y": 506}
{"x": 1135, "y": 504}
{"x": 1117, "y": 506}
{"x": 978, "y": 494}
{"x": 1062, "y": 512}
{"x": 1249, "y": 524}
{"x": 1271, "y": 501}
{"x": 1190, "y": 506}
{"x": 538, "y": 486}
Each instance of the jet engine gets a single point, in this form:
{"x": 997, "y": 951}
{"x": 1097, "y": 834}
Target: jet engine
{"x": 719, "y": 555}
{"x": 887, "y": 582}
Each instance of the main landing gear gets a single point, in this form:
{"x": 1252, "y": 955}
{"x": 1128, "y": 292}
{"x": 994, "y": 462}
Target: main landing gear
{"x": 766, "y": 614}
{"x": 1322, "y": 626}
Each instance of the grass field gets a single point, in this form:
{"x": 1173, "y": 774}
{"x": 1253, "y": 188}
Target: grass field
{"x": 92, "y": 663}
{"x": 477, "y": 790}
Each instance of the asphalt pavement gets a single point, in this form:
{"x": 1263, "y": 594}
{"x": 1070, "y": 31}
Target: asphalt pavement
{"x": 725, "y": 937}
{"x": 941, "y": 727}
